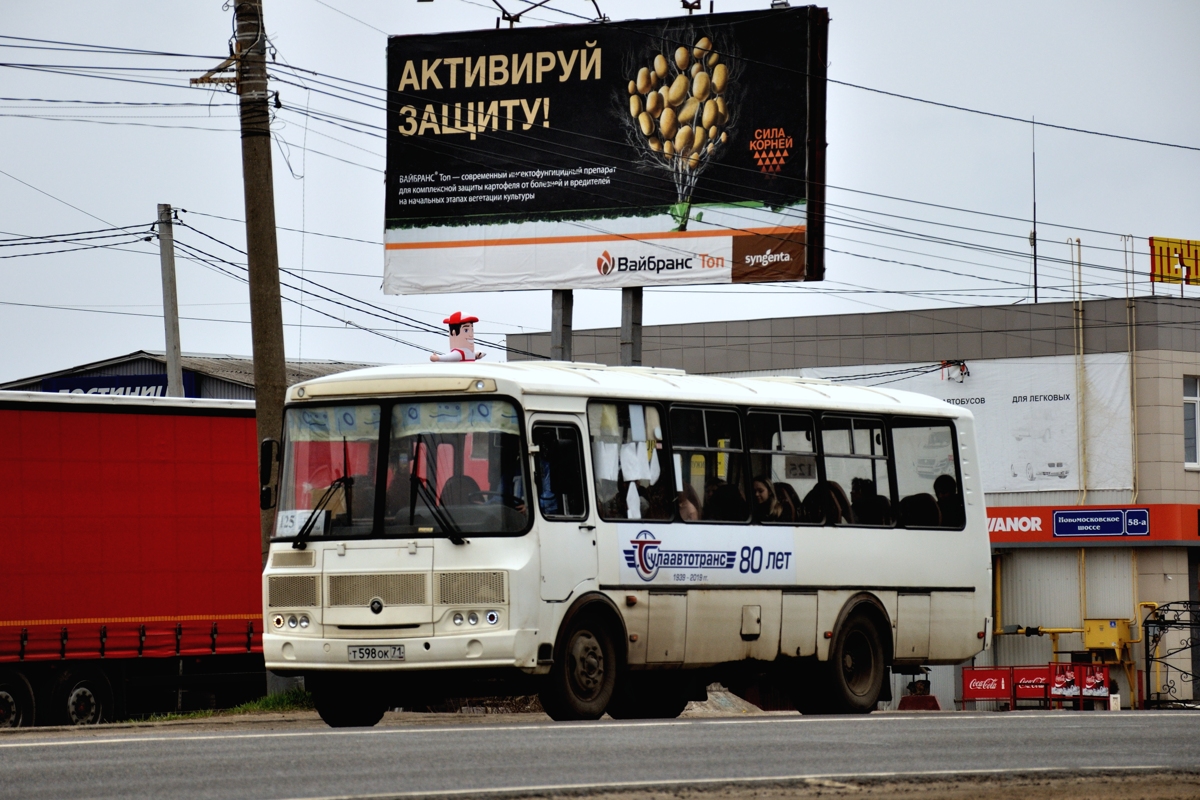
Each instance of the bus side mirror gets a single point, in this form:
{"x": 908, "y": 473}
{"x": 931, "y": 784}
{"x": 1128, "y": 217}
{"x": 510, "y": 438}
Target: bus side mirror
{"x": 268, "y": 454}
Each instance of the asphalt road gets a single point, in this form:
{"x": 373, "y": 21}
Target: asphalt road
{"x": 262, "y": 762}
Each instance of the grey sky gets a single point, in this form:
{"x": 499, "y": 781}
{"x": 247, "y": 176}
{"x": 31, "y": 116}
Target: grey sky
{"x": 1122, "y": 68}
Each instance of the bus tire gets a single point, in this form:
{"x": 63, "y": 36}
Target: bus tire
{"x": 82, "y": 697}
{"x": 17, "y": 706}
{"x": 581, "y": 680}
{"x": 856, "y": 669}
{"x": 645, "y": 697}
{"x": 346, "y": 701}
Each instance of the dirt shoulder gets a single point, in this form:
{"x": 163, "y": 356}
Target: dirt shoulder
{"x": 1136, "y": 785}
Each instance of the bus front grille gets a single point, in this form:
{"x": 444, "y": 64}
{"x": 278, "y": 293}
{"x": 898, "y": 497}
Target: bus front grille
{"x": 396, "y": 589}
{"x": 470, "y": 588}
{"x": 285, "y": 591}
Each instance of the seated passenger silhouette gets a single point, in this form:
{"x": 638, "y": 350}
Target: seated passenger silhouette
{"x": 919, "y": 511}
{"x": 726, "y": 505}
{"x": 949, "y": 501}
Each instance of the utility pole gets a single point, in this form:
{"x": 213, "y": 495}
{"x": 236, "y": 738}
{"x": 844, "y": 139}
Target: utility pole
{"x": 266, "y": 314}
{"x": 166, "y": 257}
{"x": 562, "y": 306}
{"x": 1033, "y": 233}
{"x": 631, "y": 327}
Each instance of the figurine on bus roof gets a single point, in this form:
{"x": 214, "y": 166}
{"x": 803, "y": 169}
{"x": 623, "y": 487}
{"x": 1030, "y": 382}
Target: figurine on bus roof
{"x": 462, "y": 339}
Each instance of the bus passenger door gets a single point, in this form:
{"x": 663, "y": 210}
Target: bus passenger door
{"x": 566, "y": 530}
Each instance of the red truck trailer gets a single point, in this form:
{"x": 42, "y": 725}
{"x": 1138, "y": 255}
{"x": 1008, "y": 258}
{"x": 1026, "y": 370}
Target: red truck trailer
{"x": 131, "y": 572}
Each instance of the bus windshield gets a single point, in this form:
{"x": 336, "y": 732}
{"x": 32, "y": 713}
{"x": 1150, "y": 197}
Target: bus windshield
{"x": 450, "y": 468}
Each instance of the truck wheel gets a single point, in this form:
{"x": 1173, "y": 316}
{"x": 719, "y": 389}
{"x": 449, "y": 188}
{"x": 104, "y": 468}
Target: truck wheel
{"x": 855, "y": 668}
{"x": 643, "y": 697}
{"x": 580, "y": 683}
{"x": 16, "y": 701}
{"x": 346, "y": 701}
{"x": 82, "y": 698}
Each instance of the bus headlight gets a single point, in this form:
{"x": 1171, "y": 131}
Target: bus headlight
{"x": 292, "y": 622}
{"x": 472, "y": 618}
{"x": 458, "y": 619}
{"x": 492, "y": 617}
{"x": 277, "y": 620}
{"x": 304, "y": 621}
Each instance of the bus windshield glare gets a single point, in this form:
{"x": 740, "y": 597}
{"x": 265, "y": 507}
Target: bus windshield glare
{"x": 448, "y": 468}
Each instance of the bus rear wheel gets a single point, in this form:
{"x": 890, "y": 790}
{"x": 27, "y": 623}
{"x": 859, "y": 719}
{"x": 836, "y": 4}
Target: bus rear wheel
{"x": 346, "y": 701}
{"x": 856, "y": 669}
{"x": 16, "y": 701}
{"x": 581, "y": 680}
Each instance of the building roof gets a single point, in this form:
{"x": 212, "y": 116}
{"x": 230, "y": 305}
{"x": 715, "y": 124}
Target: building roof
{"x": 232, "y": 369}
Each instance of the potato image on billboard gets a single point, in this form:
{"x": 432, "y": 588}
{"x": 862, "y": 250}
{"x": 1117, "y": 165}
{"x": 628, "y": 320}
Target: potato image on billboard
{"x": 680, "y": 108}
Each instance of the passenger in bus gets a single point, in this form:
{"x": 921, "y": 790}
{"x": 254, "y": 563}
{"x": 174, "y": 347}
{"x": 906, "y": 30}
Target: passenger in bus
{"x": 461, "y": 490}
{"x": 862, "y": 501}
{"x": 919, "y": 511}
{"x": 821, "y": 506}
{"x": 882, "y": 510}
{"x": 766, "y": 505}
{"x": 726, "y": 505}
{"x": 839, "y": 494}
{"x": 789, "y": 501}
{"x": 689, "y": 504}
{"x": 949, "y": 502}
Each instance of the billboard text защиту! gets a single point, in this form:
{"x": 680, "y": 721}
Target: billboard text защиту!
{"x": 603, "y": 156}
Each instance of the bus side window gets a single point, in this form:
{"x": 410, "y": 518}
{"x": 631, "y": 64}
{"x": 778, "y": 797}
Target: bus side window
{"x": 856, "y": 490}
{"x": 783, "y": 463}
{"x": 631, "y": 478}
{"x": 927, "y": 474}
{"x": 558, "y": 477}
{"x": 710, "y": 477}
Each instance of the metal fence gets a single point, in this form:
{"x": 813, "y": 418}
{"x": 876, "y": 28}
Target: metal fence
{"x": 1172, "y": 641}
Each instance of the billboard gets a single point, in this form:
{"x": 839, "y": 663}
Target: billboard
{"x": 1174, "y": 260}
{"x": 642, "y": 153}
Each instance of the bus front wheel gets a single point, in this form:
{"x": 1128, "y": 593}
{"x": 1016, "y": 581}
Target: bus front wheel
{"x": 856, "y": 669}
{"x": 582, "y": 678}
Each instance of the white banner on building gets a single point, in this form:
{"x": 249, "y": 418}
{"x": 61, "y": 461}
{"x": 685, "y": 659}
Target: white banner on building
{"x": 1028, "y": 416}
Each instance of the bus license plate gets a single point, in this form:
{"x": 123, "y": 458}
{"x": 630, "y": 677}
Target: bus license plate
{"x": 365, "y": 653}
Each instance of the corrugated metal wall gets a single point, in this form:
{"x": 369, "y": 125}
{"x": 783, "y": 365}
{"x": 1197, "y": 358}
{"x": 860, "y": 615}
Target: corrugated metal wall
{"x": 1109, "y": 582}
{"x": 1038, "y": 587}
{"x": 223, "y": 390}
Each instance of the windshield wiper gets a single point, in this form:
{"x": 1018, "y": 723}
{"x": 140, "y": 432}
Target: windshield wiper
{"x": 346, "y": 481}
{"x": 316, "y": 513}
{"x": 420, "y": 488}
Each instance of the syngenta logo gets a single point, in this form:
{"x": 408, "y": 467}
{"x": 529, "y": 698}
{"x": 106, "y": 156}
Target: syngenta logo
{"x": 767, "y": 258}
{"x": 998, "y": 524}
{"x": 604, "y": 264}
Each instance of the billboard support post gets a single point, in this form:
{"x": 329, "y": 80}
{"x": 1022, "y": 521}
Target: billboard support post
{"x": 818, "y": 59}
{"x": 166, "y": 256}
{"x": 562, "y": 306}
{"x": 631, "y": 327}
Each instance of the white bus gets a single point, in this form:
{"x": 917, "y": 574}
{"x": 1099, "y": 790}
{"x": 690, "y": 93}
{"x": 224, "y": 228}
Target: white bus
{"x": 616, "y": 538}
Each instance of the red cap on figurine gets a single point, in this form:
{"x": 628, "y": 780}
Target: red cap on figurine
{"x": 458, "y": 319}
